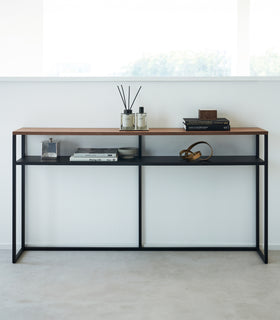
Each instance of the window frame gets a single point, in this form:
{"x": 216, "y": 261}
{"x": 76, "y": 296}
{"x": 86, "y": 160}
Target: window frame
{"x": 141, "y": 79}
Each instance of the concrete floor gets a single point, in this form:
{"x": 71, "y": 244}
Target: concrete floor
{"x": 139, "y": 285}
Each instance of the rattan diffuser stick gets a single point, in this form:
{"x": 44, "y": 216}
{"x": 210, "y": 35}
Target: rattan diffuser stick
{"x": 121, "y": 97}
{"x": 135, "y": 97}
{"x": 127, "y": 105}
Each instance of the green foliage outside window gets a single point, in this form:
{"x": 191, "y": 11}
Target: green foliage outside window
{"x": 199, "y": 64}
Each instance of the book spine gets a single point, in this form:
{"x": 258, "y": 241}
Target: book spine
{"x": 205, "y": 122}
{"x": 207, "y": 128}
{"x": 95, "y": 155}
{"x": 93, "y": 159}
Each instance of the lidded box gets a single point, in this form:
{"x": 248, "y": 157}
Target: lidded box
{"x": 49, "y": 149}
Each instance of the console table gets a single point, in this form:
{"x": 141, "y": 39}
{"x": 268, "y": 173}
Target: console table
{"x": 244, "y": 160}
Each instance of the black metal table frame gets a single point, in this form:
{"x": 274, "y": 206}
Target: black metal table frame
{"x": 17, "y": 254}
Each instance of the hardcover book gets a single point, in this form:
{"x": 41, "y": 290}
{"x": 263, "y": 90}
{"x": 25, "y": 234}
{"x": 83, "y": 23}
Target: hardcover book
{"x": 105, "y": 159}
{"x": 196, "y": 121}
{"x": 207, "y": 127}
{"x": 96, "y": 152}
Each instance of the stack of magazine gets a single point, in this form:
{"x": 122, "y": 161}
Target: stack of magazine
{"x": 95, "y": 154}
{"x": 195, "y": 124}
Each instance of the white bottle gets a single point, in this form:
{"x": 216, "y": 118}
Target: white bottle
{"x": 141, "y": 120}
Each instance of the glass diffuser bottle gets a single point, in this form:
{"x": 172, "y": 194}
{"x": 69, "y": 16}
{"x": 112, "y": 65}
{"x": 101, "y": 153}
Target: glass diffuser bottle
{"x": 127, "y": 117}
{"x": 127, "y": 120}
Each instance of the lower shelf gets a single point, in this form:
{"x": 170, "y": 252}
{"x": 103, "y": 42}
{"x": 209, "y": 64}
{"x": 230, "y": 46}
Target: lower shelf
{"x": 146, "y": 161}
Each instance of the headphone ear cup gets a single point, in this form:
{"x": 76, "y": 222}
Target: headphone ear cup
{"x": 196, "y": 155}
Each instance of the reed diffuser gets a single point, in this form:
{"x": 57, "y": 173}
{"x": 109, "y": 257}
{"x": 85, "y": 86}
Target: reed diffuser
{"x": 127, "y": 117}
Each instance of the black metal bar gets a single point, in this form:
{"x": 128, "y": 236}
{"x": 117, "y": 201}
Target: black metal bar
{"x": 140, "y": 206}
{"x": 266, "y": 199}
{"x": 257, "y": 193}
{"x": 261, "y": 255}
{"x": 23, "y": 148}
{"x": 257, "y": 146}
{"x": 14, "y": 196}
{"x": 140, "y": 249}
{"x": 140, "y": 194}
{"x": 140, "y": 146}
{"x": 20, "y": 252}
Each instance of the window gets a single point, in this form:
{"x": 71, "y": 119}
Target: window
{"x": 139, "y": 38}
{"x": 264, "y": 38}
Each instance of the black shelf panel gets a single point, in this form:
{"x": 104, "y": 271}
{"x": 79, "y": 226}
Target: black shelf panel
{"x": 214, "y": 161}
{"x": 146, "y": 161}
{"x": 64, "y": 160}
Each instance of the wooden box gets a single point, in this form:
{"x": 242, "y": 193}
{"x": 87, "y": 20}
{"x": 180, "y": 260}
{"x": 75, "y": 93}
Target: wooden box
{"x": 207, "y": 114}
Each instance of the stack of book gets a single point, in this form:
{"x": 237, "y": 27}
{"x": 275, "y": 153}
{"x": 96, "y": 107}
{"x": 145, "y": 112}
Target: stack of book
{"x": 95, "y": 154}
{"x": 195, "y": 124}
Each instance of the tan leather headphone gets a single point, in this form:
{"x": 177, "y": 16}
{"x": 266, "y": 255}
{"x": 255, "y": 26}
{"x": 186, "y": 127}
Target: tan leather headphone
{"x": 187, "y": 154}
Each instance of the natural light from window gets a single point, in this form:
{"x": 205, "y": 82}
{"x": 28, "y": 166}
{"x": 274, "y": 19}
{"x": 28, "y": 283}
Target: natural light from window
{"x": 140, "y": 38}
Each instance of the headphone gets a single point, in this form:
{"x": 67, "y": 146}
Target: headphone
{"x": 187, "y": 154}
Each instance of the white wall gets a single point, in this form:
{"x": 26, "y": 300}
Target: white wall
{"x": 182, "y": 206}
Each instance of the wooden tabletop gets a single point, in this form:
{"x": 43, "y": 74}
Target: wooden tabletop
{"x": 152, "y": 131}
